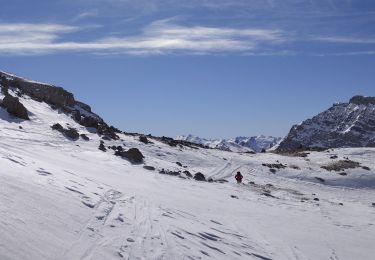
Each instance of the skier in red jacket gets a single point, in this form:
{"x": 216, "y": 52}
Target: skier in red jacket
{"x": 238, "y": 177}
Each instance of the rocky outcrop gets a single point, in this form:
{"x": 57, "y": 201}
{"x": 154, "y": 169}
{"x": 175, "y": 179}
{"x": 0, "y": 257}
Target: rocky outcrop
{"x": 343, "y": 125}
{"x": 70, "y": 133}
{"x": 14, "y": 107}
{"x": 50, "y": 94}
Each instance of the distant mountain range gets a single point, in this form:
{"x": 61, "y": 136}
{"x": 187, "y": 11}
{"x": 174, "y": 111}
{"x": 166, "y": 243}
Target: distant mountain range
{"x": 238, "y": 144}
{"x": 349, "y": 124}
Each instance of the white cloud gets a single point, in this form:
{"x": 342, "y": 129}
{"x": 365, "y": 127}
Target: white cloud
{"x": 348, "y": 40}
{"x": 158, "y": 37}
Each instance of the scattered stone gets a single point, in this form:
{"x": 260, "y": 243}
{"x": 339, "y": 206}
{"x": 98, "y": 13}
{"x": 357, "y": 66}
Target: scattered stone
{"x": 188, "y": 174}
{"x": 70, "y": 133}
{"x": 172, "y": 173}
{"x": 274, "y": 165}
{"x": 14, "y": 107}
{"x": 143, "y": 139}
{"x": 199, "y": 177}
{"x": 320, "y": 179}
{"x": 85, "y": 137}
{"x": 150, "y": 168}
{"x": 341, "y": 165}
{"x": 133, "y": 155}
{"x": 221, "y": 181}
{"x": 102, "y": 147}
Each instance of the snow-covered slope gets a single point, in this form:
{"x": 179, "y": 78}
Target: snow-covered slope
{"x": 343, "y": 125}
{"x": 238, "y": 144}
{"x": 64, "y": 199}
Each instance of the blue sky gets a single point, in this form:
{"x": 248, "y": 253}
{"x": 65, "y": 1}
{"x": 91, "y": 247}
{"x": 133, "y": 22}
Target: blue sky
{"x": 214, "y": 68}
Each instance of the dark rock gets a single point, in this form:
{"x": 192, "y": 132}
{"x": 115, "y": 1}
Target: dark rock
{"x": 341, "y": 165}
{"x": 210, "y": 180}
{"x": 106, "y": 138}
{"x": 57, "y": 127}
{"x": 83, "y": 106}
{"x": 274, "y": 165}
{"x": 221, "y": 181}
{"x": 373, "y": 204}
{"x": 20, "y": 127}
{"x": 102, "y": 147}
{"x": 361, "y": 100}
{"x": 333, "y": 157}
{"x": 133, "y": 155}
{"x": 341, "y": 204}
{"x": 316, "y": 199}
{"x": 70, "y": 133}
{"x": 263, "y": 150}
{"x": 14, "y": 107}
{"x": 84, "y": 137}
{"x": 199, "y": 177}
{"x": 172, "y": 173}
{"x": 179, "y": 164}
{"x": 47, "y": 93}
{"x": 273, "y": 170}
{"x": 76, "y": 115}
{"x": 187, "y": 173}
{"x": 366, "y": 168}
{"x": 150, "y": 168}
{"x": 342, "y": 173}
{"x": 320, "y": 179}
{"x": 89, "y": 121}
{"x": 143, "y": 139}
{"x": 234, "y": 196}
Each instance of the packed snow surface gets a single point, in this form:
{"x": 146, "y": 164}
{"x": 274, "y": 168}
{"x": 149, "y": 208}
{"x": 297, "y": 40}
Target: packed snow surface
{"x": 62, "y": 199}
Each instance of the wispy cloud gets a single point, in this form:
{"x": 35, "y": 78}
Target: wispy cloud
{"x": 157, "y": 38}
{"x": 349, "y": 40}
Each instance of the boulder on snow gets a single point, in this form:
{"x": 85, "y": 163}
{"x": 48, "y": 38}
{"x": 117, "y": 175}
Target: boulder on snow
{"x": 70, "y": 133}
{"x": 150, "y": 168}
{"x": 102, "y": 147}
{"x": 199, "y": 177}
{"x": 143, "y": 139}
{"x": 14, "y": 107}
{"x": 85, "y": 137}
{"x": 133, "y": 155}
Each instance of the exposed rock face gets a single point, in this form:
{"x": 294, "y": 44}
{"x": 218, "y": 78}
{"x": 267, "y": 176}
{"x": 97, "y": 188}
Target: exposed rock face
{"x": 14, "y": 107}
{"x": 89, "y": 121}
{"x": 343, "y": 125}
{"x": 47, "y": 93}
